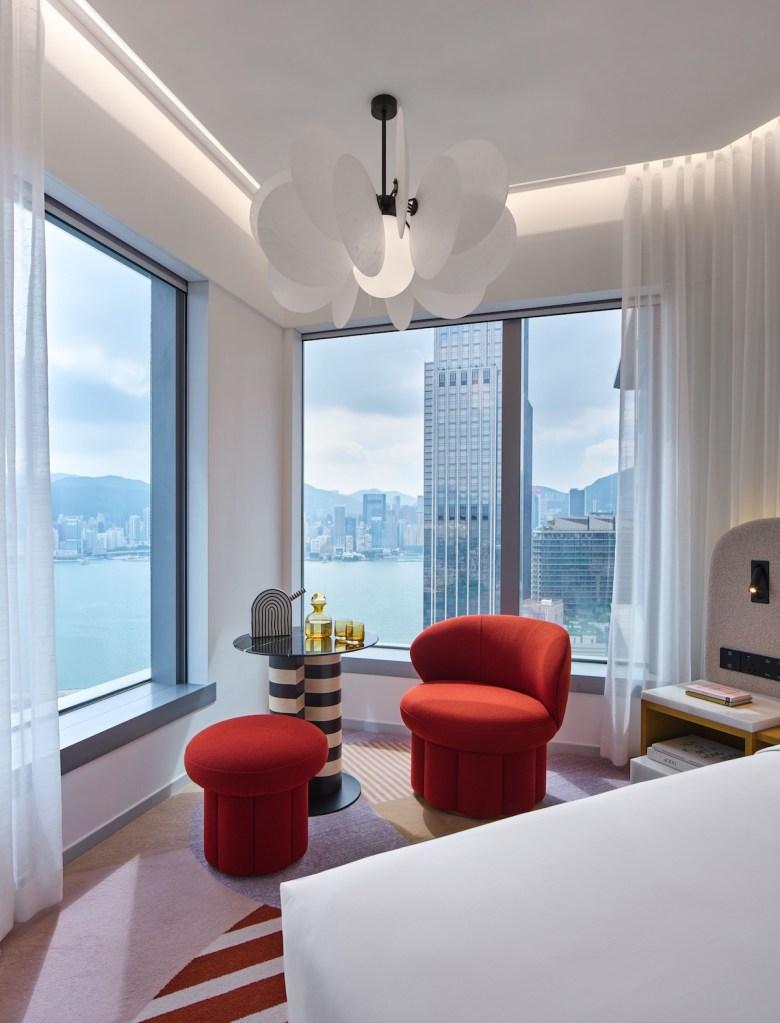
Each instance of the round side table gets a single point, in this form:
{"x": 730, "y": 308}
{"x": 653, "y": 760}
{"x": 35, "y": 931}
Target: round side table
{"x": 304, "y": 681}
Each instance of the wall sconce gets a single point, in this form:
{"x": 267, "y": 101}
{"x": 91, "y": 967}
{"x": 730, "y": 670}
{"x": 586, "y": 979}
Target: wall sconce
{"x": 759, "y": 582}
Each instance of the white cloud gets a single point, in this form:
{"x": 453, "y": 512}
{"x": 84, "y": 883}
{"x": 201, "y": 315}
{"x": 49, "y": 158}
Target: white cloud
{"x": 91, "y": 362}
{"x": 347, "y": 451}
{"x": 86, "y": 449}
{"x": 599, "y": 460}
{"x": 592, "y": 422}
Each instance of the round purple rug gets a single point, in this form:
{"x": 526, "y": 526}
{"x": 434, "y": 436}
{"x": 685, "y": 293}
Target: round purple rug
{"x": 334, "y": 839}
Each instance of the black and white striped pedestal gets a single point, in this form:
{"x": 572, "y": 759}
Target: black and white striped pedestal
{"x": 310, "y": 688}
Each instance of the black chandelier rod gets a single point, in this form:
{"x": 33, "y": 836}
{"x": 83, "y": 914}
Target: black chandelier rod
{"x": 384, "y": 108}
{"x": 384, "y": 156}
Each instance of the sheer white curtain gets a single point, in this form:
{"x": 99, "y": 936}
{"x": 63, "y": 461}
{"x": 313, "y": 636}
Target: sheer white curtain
{"x": 30, "y": 792}
{"x": 700, "y": 403}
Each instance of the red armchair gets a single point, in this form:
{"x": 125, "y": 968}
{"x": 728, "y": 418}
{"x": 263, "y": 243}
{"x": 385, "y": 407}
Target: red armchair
{"x": 494, "y": 692}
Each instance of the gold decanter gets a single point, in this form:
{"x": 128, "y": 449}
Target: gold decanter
{"x": 318, "y": 624}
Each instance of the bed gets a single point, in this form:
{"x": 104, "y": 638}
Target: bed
{"x": 658, "y": 901}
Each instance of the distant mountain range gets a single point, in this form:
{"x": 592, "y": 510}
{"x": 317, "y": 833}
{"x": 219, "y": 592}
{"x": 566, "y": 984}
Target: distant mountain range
{"x": 114, "y": 497}
{"x": 601, "y": 494}
{"x": 118, "y": 498}
{"x": 319, "y": 503}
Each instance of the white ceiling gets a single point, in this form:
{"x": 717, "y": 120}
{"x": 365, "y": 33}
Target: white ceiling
{"x": 560, "y": 86}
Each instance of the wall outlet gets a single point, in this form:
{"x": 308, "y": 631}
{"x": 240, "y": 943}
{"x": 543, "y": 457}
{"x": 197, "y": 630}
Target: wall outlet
{"x": 750, "y": 664}
{"x": 730, "y": 659}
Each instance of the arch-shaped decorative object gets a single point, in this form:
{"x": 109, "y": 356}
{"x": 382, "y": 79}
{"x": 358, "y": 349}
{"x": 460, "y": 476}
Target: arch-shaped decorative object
{"x": 272, "y": 613}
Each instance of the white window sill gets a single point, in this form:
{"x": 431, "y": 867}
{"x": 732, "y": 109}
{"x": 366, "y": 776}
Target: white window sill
{"x": 586, "y": 676}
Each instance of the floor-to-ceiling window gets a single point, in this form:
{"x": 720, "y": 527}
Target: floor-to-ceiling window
{"x": 410, "y": 515}
{"x": 115, "y": 338}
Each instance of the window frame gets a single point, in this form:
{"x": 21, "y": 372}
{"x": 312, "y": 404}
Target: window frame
{"x": 392, "y": 659}
{"x": 109, "y": 716}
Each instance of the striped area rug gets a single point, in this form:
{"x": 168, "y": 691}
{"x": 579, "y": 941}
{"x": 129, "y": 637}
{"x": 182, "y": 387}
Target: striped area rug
{"x": 239, "y": 977}
{"x": 382, "y": 767}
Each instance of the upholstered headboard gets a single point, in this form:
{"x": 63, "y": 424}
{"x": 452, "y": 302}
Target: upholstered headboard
{"x": 733, "y": 619}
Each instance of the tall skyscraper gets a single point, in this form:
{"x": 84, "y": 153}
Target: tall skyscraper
{"x": 576, "y": 501}
{"x": 462, "y": 498}
{"x": 375, "y": 518}
{"x": 72, "y": 527}
{"x": 350, "y": 530}
{"x": 339, "y": 525}
{"x": 374, "y": 506}
{"x": 134, "y": 529}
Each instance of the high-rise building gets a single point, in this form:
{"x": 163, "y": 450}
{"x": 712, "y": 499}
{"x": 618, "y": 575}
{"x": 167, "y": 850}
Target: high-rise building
{"x": 72, "y": 527}
{"x": 376, "y": 527}
{"x": 574, "y": 561}
{"x": 375, "y": 520}
{"x": 339, "y": 525}
{"x": 350, "y": 528}
{"x": 576, "y": 501}
{"x": 134, "y": 529}
{"x": 462, "y": 498}
{"x": 391, "y": 531}
{"x": 374, "y": 506}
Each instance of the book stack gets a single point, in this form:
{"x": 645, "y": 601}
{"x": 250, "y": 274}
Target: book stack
{"x": 728, "y": 696}
{"x": 689, "y": 751}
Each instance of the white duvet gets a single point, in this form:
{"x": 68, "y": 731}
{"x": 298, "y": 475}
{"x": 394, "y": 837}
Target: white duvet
{"x": 658, "y": 901}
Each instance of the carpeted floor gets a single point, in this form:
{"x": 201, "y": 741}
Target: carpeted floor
{"x": 142, "y": 905}
{"x": 334, "y": 839}
{"x": 382, "y": 763}
{"x": 135, "y": 909}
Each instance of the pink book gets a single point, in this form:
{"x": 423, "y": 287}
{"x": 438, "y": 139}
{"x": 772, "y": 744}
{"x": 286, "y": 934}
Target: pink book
{"x": 723, "y": 694}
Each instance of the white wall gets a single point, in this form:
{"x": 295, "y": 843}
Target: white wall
{"x": 113, "y": 156}
{"x": 372, "y": 701}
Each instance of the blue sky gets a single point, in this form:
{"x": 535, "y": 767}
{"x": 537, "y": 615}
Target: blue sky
{"x": 364, "y": 405}
{"x": 573, "y": 361}
{"x": 99, "y": 313}
{"x": 363, "y": 394}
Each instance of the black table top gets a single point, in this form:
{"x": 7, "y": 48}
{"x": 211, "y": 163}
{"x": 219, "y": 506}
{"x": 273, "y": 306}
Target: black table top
{"x": 298, "y": 646}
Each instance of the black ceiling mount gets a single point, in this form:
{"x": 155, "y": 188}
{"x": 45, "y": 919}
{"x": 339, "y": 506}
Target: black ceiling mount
{"x": 384, "y": 107}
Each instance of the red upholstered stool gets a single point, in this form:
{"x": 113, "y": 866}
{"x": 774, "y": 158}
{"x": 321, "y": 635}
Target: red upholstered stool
{"x": 494, "y": 694}
{"x": 255, "y": 774}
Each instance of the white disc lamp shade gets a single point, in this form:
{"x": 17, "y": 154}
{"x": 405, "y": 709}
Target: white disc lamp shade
{"x": 327, "y": 233}
{"x": 396, "y": 271}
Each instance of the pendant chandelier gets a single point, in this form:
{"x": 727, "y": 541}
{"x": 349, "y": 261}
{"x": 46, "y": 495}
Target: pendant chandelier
{"x": 327, "y": 234}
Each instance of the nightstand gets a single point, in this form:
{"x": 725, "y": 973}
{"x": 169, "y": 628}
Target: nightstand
{"x": 669, "y": 712}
